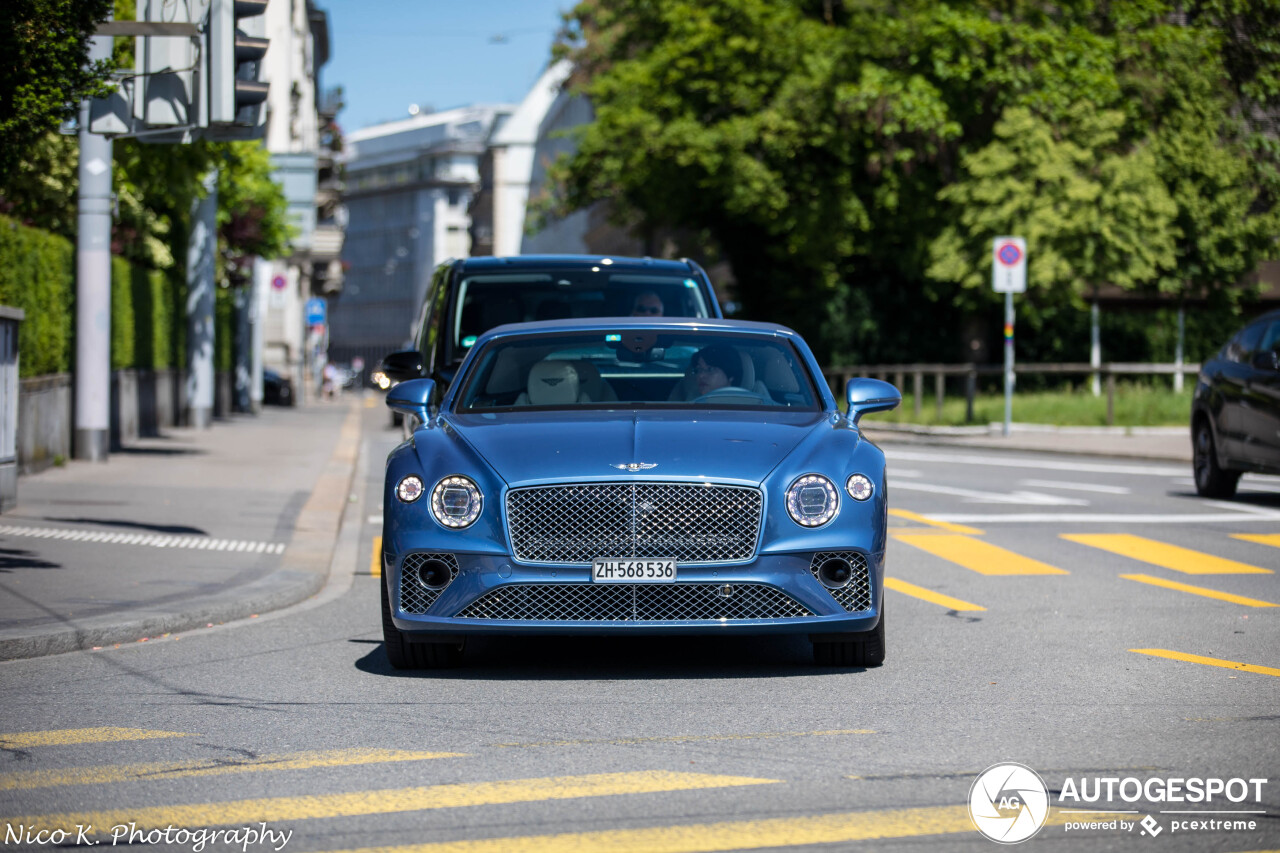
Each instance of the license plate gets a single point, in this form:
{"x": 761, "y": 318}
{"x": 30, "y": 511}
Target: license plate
{"x": 608, "y": 570}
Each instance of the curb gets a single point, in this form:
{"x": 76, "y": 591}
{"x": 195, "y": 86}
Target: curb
{"x": 305, "y": 569}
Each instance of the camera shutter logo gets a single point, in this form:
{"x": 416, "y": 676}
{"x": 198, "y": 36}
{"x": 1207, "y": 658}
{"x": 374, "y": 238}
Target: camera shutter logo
{"x": 1008, "y": 803}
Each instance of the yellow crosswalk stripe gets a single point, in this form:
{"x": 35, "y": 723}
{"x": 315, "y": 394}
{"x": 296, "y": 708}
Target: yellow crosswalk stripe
{"x": 1164, "y": 555}
{"x": 1225, "y": 664}
{"x": 933, "y": 522}
{"x": 1272, "y": 539}
{"x": 64, "y": 737}
{"x": 375, "y": 559}
{"x": 281, "y": 809}
{"x": 1199, "y": 590}
{"x": 842, "y": 827}
{"x": 929, "y": 595}
{"x": 29, "y": 779}
{"x": 977, "y": 555}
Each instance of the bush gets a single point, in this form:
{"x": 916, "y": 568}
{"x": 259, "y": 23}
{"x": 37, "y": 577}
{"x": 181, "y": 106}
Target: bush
{"x": 37, "y": 274}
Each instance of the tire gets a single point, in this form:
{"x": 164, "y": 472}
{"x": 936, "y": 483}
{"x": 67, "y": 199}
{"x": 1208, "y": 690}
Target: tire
{"x": 402, "y": 654}
{"x": 867, "y": 650}
{"x": 1211, "y": 480}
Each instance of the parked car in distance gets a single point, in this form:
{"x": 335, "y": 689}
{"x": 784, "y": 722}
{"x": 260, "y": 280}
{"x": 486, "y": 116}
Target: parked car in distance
{"x": 277, "y": 390}
{"x": 469, "y": 296}
{"x": 635, "y": 476}
{"x": 1235, "y": 411}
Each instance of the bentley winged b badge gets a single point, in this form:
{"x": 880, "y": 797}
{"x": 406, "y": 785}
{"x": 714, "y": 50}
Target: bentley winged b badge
{"x": 635, "y": 466}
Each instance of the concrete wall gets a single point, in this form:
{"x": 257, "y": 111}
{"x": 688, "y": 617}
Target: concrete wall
{"x": 143, "y": 403}
{"x": 44, "y": 422}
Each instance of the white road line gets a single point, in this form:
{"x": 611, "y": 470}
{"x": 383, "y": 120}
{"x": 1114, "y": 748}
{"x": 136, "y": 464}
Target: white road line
{"x": 894, "y": 454}
{"x": 373, "y": 519}
{"x": 907, "y": 472}
{"x": 190, "y": 543}
{"x": 975, "y": 496}
{"x": 1076, "y": 487}
{"x": 1100, "y": 518}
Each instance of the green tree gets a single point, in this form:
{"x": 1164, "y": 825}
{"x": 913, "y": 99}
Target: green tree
{"x": 44, "y": 68}
{"x": 834, "y": 151}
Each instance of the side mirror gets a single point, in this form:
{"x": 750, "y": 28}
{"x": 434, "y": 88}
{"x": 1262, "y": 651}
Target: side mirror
{"x": 412, "y": 398}
{"x": 1266, "y": 360}
{"x": 402, "y": 366}
{"x": 869, "y": 395}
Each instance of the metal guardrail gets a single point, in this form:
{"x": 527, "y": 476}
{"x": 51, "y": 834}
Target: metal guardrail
{"x": 897, "y": 373}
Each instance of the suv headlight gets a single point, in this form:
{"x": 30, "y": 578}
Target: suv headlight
{"x": 812, "y": 500}
{"x": 456, "y": 502}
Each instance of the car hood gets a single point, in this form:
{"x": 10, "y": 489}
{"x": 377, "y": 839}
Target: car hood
{"x": 533, "y": 447}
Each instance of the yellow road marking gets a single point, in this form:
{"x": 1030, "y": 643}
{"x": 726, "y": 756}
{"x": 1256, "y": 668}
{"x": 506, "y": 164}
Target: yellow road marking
{"x": 979, "y": 556}
{"x": 28, "y": 779}
{"x": 64, "y": 737}
{"x": 1272, "y": 539}
{"x": 282, "y": 809}
{"x": 929, "y": 595}
{"x": 735, "y": 835}
{"x": 375, "y": 559}
{"x": 683, "y": 738}
{"x": 943, "y": 525}
{"x": 1199, "y": 590}
{"x": 1225, "y": 664}
{"x": 370, "y": 402}
{"x": 1163, "y": 554}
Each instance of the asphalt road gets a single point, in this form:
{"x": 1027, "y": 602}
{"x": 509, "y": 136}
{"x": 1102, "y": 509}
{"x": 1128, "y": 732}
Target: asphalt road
{"x": 1089, "y": 619}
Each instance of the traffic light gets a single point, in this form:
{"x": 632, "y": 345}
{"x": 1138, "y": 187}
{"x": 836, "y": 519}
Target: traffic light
{"x": 235, "y": 50}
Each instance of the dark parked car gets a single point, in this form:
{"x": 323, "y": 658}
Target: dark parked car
{"x": 470, "y": 296}
{"x": 276, "y": 389}
{"x": 1235, "y": 414}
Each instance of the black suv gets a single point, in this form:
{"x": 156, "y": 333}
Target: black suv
{"x": 1235, "y": 413}
{"x": 468, "y": 297}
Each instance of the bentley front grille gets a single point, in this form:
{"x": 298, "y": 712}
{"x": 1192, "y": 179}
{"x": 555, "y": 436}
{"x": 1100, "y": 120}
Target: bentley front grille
{"x": 688, "y": 522}
{"x": 855, "y": 596}
{"x": 416, "y": 596}
{"x": 592, "y": 602}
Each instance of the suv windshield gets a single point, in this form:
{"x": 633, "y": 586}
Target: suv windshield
{"x": 638, "y": 368}
{"x": 487, "y": 300}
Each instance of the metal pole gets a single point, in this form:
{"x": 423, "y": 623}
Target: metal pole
{"x": 1095, "y": 348}
{"x": 202, "y": 249}
{"x": 1177, "y": 355}
{"x": 93, "y": 285}
{"x": 1008, "y": 361}
{"x": 261, "y": 286}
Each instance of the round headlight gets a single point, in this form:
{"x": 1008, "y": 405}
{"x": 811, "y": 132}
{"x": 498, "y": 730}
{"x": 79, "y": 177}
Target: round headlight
{"x": 812, "y": 500}
{"x": 859, "y": 487}
{"x": 409, "y": 489}
{"x": 456, "y": 502}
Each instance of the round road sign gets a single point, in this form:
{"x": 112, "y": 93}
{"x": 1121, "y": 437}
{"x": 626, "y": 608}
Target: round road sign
{"x": 278, "y": 282}
{"x": 1009, "y": 254}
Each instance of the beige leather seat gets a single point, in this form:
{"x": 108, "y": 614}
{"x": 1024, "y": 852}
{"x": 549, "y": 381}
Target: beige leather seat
{"x": 552, "y": 383}
{"x": 595, "y": 389}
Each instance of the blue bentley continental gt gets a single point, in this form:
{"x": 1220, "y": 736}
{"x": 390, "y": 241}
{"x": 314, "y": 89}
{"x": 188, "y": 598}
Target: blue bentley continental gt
{"x": 638, "y": 475}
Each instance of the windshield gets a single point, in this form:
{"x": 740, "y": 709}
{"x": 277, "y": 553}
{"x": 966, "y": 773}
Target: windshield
{"x": 485, "y": 301}
{"x": 638, "y": 368}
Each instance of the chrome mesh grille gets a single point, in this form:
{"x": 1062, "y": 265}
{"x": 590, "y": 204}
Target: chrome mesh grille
{"x": 414, "y": 597}
{"x": 689, "y": 522}
{"x": 608, "y": 602}
{"x": 854, "y": 596}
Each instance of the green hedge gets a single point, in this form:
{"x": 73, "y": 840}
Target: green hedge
{"x": 37, "y": 271}
{"x": 37, "y": 274}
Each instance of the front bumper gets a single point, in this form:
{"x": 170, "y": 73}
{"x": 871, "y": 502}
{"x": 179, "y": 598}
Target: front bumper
{"x": 774, "y": 593}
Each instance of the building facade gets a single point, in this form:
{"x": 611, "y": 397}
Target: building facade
{"x": 408, "y": 188}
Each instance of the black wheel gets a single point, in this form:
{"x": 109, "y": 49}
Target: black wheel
{"x": 1211, "y": 480}
{"x": 402, "y": 654}
{"x": 865, "y": 650}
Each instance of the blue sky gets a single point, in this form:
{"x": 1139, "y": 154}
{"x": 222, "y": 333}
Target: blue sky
{"x": 388, "y": 54}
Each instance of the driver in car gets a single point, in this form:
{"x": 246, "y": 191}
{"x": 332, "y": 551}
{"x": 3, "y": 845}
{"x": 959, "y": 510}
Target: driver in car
{"x": 716, "y": 366}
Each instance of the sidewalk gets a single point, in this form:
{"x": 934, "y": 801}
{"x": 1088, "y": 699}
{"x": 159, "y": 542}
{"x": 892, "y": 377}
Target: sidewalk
{"x": 177, "y": 532}
{"x": 1159, "y": 443}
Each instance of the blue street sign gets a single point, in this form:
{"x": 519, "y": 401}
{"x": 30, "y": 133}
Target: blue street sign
{"x": 315, "y": 312}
